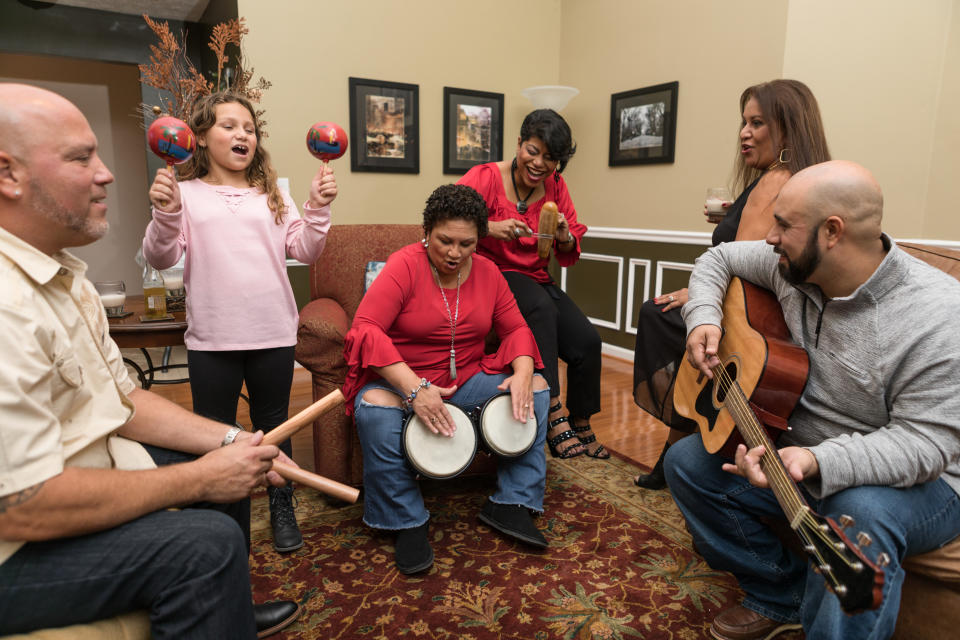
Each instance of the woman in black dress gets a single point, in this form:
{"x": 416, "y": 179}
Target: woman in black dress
{"x": 781, "y": 133}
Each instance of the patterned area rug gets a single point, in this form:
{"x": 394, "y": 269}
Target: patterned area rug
{"x": 620, "y": 565}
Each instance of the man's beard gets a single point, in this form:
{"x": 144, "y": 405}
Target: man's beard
{"x": 797, "y": 272}
{"x": 55, "y": 212}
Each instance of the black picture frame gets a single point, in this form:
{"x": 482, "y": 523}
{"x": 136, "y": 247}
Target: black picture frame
{"x": 472, "y": 129}
{"x": 643, "y": 125}
{"x": 384, "y": 126}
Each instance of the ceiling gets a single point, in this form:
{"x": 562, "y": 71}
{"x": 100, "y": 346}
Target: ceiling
{"x": 188, "y": 10}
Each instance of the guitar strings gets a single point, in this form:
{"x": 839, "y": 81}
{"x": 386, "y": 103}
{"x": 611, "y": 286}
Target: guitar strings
{"x": 737, "y": 404}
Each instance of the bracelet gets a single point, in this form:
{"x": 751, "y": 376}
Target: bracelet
{"x": 232, "y": 433}
{"x": 569, "y": 239}
{"x": 424, "y": 383}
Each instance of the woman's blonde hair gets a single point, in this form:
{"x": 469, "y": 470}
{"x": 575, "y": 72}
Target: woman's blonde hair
{"x": 260, "y": 172}
{"x": 793, "y": 116}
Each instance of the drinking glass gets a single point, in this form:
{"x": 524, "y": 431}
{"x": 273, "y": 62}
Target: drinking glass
{"x": 716, "y": 198}
{"x": 173, "y": 281}
{"x": 113, "y": 293}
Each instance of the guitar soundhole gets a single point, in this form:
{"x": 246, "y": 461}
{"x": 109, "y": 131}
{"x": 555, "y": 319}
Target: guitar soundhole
{"x": 723, "y": 385}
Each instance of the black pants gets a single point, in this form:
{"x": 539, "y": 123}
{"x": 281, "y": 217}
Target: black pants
{"x": 562, "y": 332}
{"x": 216, "y": 378}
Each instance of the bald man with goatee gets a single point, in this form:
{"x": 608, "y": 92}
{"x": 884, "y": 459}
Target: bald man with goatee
{"x": 876, "y": 433}
{"x": 86, "y": 525}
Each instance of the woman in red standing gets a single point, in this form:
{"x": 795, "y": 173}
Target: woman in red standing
{"x": 515, "y": 192}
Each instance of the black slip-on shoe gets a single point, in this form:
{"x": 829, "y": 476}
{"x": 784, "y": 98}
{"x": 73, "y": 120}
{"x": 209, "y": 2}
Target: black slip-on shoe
{"x": 513, "y": 520}
{"x": 275, "y": 616}
{"x": 412, "y": 552}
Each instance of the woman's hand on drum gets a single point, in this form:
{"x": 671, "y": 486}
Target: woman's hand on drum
{"x": 520, "y": 386}
{"x": 508, "y": 230}
{"x": 673, "y": 299}
{"x": 429, "y": 407}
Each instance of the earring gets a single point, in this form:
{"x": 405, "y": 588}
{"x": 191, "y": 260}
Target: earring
{"x": 784, "y": 156}
{"x": 425, "y": 243}
{"x": 17, "y": 193}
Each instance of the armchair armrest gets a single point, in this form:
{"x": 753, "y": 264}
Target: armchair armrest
{"x": 322, "y": 327}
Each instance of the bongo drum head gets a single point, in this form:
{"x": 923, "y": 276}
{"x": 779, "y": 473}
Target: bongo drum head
{"x": 437, "y": 456}
{"x": 501, "y": 433}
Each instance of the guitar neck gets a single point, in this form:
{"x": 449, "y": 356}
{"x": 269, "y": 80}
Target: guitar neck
{"x": 754, "y": 435}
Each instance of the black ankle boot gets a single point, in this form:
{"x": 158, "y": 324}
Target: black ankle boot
{"x": 654, "y": 479}
{"x": 286, "y": 533}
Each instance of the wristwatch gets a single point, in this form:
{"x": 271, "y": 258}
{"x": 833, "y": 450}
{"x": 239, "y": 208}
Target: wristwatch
{"x": 424, "y": 383}
{"x": 232, "y": 433}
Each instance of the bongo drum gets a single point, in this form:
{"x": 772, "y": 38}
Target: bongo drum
{"x": 436, "y": 456}
{"x": 500, "y": 433}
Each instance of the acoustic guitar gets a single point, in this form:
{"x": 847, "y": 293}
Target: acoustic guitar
{"x": 753, "y": 391}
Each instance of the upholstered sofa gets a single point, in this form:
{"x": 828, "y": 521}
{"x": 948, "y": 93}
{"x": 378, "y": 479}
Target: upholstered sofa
{"x": 336, "y": 287}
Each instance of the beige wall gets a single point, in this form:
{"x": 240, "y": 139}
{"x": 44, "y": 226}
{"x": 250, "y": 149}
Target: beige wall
{"x": 309, "y": 49}
{"x": 619, "y": 45}
{"x": 889, "y": 91}
{"x": 878, "y": 69}
{"x": 108, "y": 94}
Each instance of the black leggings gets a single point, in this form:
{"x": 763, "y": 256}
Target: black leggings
{"x": 562, "y": 332}
{"x": 216, "y": 378}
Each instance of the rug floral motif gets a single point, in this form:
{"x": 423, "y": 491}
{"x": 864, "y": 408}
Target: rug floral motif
{"x": 620, "y": 565}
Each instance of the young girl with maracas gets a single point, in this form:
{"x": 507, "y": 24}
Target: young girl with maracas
{"x": 237, "y": 227}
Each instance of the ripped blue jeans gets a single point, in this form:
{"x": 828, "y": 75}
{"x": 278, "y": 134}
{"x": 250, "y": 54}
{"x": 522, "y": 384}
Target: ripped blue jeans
{"x": 392, "y": 498}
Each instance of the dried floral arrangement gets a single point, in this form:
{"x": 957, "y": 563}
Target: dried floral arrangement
{"x": 172, "y": 71}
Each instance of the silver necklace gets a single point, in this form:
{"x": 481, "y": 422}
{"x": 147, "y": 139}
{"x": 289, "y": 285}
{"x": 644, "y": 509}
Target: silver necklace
{"x": 452, "y": 318}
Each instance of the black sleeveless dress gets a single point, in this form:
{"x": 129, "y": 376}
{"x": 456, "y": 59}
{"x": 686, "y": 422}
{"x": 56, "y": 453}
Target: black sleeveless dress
{"x": 661, "y": 340}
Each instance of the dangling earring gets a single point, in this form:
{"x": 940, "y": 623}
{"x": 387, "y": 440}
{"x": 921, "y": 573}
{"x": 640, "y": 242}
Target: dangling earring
{"x": 784, "y": 156}
{"x": 425, "y": 243}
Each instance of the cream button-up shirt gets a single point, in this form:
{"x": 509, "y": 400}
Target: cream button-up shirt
{"x": 63, "y": 384}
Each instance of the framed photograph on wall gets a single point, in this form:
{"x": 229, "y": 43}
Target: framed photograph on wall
{"x": 643, "y": 125}
{"x": 384, "y": 126}
{"x": 472, "y": 128}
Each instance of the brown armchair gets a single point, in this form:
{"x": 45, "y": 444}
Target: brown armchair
{"x": 336, "y": 287}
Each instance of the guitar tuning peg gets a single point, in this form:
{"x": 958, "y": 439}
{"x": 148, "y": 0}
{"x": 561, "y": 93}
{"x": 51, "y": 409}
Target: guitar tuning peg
{"x": 864, "y": 539}
{"x": 846, "y": 521}
{"x": 883, "y": 560}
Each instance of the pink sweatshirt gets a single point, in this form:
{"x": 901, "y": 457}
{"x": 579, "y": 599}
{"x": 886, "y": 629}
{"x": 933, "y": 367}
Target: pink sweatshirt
{"x": 235, "y": 273}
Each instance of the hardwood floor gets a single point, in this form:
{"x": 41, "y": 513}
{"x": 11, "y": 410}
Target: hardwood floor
{"x": 621, "y": 425}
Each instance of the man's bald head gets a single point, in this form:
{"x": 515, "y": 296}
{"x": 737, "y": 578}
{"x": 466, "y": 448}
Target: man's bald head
{"x": 839, "y": 188}
{"x": 28, "y": 112}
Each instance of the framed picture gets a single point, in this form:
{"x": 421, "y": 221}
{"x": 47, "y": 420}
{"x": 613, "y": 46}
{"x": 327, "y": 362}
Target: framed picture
{"x": 643, "y": 125}
{"x": 384, "y": 126}
{"x": 472, "y": 128}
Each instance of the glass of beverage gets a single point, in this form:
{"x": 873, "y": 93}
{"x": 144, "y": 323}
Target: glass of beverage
{"x": 717, "y": 197}
{"x": 113, "y": 294}
{"x": 173, "y": 281}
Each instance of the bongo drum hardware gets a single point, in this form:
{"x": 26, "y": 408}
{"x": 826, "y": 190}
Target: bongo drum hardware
{"x": 437, "y": 456}
{"x": 500, "y": 433}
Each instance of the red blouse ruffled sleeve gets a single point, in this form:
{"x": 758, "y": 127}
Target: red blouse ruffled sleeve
{"x": 516, "y": 339}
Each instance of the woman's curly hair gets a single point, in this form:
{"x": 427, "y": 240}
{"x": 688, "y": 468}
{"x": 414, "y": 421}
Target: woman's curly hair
{"x": 455, "y": 202}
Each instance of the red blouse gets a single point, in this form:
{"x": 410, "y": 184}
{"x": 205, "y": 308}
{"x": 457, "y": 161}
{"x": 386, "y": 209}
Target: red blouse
{"x": 521, "y": 254}
{"x": 402, "y": 318}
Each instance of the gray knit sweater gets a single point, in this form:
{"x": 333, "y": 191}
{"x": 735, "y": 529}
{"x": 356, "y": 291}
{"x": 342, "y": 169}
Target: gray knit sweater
{"x": 882, "y": 402}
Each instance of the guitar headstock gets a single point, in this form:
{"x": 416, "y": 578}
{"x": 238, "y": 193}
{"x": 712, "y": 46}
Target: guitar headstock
{"x": 856, "y": 581}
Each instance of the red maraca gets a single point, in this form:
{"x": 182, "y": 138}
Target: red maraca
{"x": 171, "y": 139}
{"x": 326, "y": 141}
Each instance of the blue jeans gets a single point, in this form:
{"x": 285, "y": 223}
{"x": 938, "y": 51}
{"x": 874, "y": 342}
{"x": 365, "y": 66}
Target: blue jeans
{"x": 723, "y": 510}
{"x": 188, "y": 568}
{"x": 392, "y": 499}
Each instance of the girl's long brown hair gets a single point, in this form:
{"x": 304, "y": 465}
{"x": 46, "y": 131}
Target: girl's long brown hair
{"x": 260, "y": 173}
{"x": 793, "y": 116}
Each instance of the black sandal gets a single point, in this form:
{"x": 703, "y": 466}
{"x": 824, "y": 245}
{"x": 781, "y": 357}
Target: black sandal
{"x": 600, "y": 452}
{"x": 553, "y": 442}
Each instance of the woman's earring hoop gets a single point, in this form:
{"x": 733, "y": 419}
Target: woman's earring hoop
{"x": 784, "y": 156}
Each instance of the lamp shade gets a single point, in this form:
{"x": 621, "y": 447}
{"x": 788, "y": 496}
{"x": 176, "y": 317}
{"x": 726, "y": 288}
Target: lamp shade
{"x": 550, "y": 96}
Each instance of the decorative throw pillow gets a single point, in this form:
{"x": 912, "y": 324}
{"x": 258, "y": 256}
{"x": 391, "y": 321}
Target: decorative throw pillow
{"x": 371, "y": 272}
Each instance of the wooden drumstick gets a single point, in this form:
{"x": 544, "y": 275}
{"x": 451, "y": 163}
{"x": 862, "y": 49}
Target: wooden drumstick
{"x": 549, "y": 219}
{"x": 314, "y": 481}
{"x": 286, "y": 429}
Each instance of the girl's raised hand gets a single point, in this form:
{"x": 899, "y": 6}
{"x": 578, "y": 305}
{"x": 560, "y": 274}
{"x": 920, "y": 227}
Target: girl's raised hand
{"x": 165, "y": 192}
{"x": 323, "y": 187}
